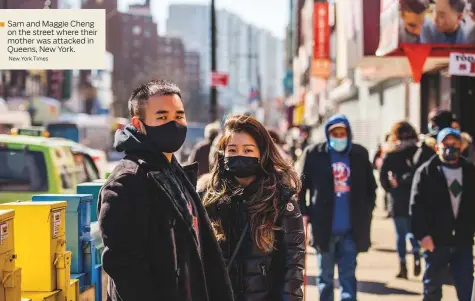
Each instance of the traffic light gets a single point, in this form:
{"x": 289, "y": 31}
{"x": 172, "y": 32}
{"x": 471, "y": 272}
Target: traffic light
{"x": 55, "y": 81}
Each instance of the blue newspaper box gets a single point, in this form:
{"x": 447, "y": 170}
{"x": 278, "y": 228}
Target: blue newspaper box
{"x": 78, "y": 228}
{"x": 91, "y": 188}
{"x": 96, "y": 272}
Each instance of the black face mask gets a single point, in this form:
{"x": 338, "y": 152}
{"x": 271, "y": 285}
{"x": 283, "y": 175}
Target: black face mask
{"x": 168, "y": 138}
{"x": 451, "y": 153}
{"x": 242, "y": 166}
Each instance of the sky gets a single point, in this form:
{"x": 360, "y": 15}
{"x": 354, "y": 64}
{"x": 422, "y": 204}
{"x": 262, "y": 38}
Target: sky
{"x": 272, "y": 15}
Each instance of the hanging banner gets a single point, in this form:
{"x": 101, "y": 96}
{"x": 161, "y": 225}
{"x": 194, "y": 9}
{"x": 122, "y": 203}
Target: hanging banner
{"x": 321, "y": 64}
{"x": 389, "y": 27}
{"x": 462, "y": 64}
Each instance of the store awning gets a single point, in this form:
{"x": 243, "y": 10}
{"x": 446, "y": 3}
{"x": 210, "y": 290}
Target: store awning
{"x": 376, "y": 68}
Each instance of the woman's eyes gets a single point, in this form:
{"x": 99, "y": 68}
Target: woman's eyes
{"x": 249, "y": 151}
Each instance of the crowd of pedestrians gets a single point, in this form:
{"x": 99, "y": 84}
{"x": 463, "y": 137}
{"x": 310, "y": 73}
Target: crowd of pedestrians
{"x": 231, "y": 224}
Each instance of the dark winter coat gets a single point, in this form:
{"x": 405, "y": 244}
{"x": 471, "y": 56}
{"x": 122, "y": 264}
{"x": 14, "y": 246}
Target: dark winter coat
{"x": 431, "y": 206}
{"x": 402, "y": 163}
{"x": 317, "y": 177}
{"x": 200, "y": 154}
{"x": 151, "y": 249}
{"x": 257, "y": 275}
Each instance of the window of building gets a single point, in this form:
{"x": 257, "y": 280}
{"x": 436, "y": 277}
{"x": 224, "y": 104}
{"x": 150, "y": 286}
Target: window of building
{"x": 147, "y": 33}
{"x": 136, "y": 30}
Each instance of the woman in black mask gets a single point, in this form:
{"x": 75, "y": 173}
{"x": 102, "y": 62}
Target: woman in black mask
{"x": 250, "y": 201}
{"x": 396, "y": 174}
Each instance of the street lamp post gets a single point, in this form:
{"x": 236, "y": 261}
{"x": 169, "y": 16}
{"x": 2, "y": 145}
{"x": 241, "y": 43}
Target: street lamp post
{"x": 213, "y": 92}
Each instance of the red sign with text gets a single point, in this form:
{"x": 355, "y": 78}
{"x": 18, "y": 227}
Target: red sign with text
{"x": 321, "y": 65}
{"x": 219, "y": 79}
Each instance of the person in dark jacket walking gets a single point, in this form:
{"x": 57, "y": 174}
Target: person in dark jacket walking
{"x": 159, "y": 243}
{"x": 396, "y": 177}
{"x": 438, "y": 120}
{"x": 339, "y": 176}
{"x": 250, "y": 200}
{"x": 201, "y": 150}
{"x": 443, "y": 217}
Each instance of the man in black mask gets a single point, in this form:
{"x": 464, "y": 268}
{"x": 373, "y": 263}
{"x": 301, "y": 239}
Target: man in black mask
{"x": 443, "y": 216}
{"x": 159, "y": 244}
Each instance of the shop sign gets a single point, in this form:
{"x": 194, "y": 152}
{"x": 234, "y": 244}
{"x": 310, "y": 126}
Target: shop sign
{"x": 321, "y": 64}
{"x": 462, "y": 64}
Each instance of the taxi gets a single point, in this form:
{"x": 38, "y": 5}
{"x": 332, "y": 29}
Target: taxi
{"x": 31, "y": 164}
{"x": 87, "y": 169}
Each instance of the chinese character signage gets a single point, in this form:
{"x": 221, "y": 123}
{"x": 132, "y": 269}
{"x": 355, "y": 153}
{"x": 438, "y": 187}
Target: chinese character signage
{"x": 321, "y": 65}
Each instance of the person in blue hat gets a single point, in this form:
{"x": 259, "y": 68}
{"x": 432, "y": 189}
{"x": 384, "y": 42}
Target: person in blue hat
{"x": 443, "y": 216}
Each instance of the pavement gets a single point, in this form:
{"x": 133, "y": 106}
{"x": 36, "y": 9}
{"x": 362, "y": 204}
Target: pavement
{"x": 377, "y": 269}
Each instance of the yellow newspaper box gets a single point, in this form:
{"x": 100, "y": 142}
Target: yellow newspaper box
{"x": 10, "y": 287}
{"x": 41, "y": 245}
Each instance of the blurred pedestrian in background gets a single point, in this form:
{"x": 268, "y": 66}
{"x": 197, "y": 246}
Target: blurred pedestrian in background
{"x": 443, "y": 216}
{"x": 201, "y": 151}
{"x": 339, "y": 176}
{"x": 438, "y": 120}
{"x": 279, "y": 144}
{"x": 377, "y": 163}
{"x": 251, "y": 201}
{"x": 396, "y": 176}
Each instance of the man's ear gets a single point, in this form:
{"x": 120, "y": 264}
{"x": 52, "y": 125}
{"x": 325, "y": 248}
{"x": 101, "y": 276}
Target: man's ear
{"x": 436, "y": 147}
{"x": 138, "y": 125}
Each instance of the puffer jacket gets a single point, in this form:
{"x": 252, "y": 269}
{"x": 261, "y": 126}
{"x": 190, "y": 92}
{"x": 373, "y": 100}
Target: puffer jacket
{"x": 402, "y": 163}
{"x": 257, "y": 275}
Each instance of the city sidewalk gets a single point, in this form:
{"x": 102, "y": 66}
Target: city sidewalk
{"x": 377, "y": 269}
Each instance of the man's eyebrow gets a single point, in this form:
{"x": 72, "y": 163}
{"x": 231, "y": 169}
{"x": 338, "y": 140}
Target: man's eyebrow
{"x": 180, "y": 112}
{"x": 161, "y": 112}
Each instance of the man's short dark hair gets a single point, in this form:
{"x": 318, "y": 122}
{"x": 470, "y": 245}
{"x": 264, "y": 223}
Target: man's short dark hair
{"x": 458, "y": 5}
{"x": 414, "y": 6}
{"x": 138, "y": 99}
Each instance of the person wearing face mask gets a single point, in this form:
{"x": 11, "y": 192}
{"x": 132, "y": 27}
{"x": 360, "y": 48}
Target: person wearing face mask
{"x": 159, "y": 243}
{"x": 339, "y": 176}
{"x": 438, "y": 120}
{"x": 396, "y": 177}
{"x": 250, "y": 200}
{"x": 443, "y": 217}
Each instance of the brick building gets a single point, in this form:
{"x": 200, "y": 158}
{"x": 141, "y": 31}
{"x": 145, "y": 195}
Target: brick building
{"x": 192, "y": 71}
{"x": 132, "y": 39}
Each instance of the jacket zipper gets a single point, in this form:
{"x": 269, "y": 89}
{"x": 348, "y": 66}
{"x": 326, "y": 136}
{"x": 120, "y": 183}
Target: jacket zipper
{"x": 175, "y": 257}
{"x": 263, "y": 270}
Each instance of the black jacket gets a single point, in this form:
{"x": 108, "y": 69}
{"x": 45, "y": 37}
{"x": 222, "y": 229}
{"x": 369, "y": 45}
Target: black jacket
{"x": 317, "y": 177}
{"x": 151, "y": 249}
{"x": 431, "y": 206}
{"x": 257, "y": 275}
{"x": 402, "y": 163}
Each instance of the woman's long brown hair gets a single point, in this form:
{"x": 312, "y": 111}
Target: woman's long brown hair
{"x": 263, "y": 206}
